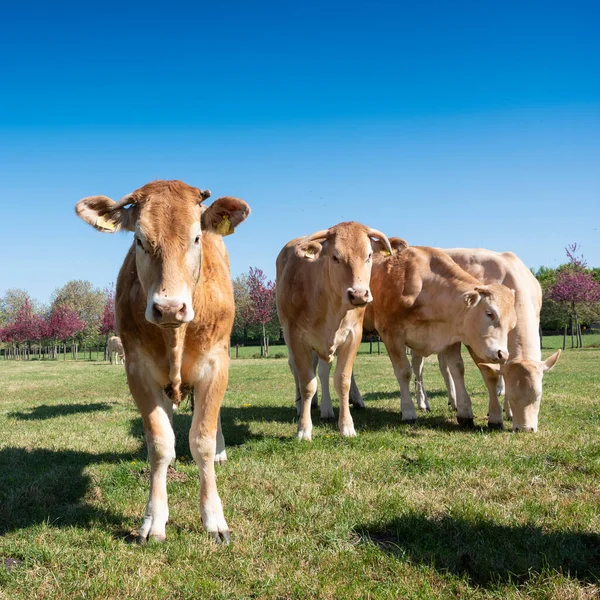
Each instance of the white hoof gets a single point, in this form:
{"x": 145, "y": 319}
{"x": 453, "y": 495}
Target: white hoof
{"x": 221, "y": 457}
{"x": 304, "y": 434}
{"x": 348, "y": 430}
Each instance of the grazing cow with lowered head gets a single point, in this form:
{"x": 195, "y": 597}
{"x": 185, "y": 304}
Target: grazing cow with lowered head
{"x": 424, "y": 300}
{"x": 524, "y": 370}
{"x": 322, "y": 291}
{"x": 115, "y": 346}
{"x": 174, "y": 313}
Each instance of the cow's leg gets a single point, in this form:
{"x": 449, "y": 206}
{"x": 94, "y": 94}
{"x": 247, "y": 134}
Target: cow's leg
{"x": 500, "y": 386}
{"x": 110, "y": 357}
{"x": 315, "y": 399}
{"x": 292, "y": 365}
{"x": 403, "y": 372}
{"x": 220, "y": 453}
{"x": 507, "y": 409}
{"x": 494, "y": 409}
{"x": 343, "y": 374}
{"x": 326, "y": 404}
{"x": 417, "y": 367}
{"x": 448, "y": 380}
{"x": 356, "y": 398}
{"x": 153, "y": 406}
{"x": 307, "y": 383}
{"x": 209, "y": 393}
{"x": 456, "y": 366}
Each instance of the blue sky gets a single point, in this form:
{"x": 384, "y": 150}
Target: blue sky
{"x": 448, "y": 124}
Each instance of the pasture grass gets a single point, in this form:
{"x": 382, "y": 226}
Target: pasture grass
{"x": 430, "y": 511}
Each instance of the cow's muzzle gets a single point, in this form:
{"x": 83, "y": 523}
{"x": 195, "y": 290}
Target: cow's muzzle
{"x": 358, "y": 296}
{"x": 170, "y": 313}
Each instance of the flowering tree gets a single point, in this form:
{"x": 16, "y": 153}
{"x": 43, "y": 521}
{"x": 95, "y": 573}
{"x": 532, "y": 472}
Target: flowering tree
{"x": 261, "y": 302}
{"x": 107, "y": 321}
{"x": 63, "y": 323}
{"x": 575, "y": 285}
{"x": 26, "y": 325}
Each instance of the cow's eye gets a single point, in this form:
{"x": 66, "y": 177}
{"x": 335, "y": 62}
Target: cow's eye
{"x": 335, "y": 258}
{"x": 197, "y": 240}
{"x": 139, "y": 243}
{"x": 370, "y": 257}
{"x": 489, "y": 313}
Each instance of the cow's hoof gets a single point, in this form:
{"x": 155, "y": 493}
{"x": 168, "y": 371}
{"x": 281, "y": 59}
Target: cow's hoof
{"x": 142, "y": 539}
{"x": 220, "y": 458}
{"x": 466, "y": 422}
{"x": 347, "y": 431}
{"x": 220, "y": 537}
{"x": 409, "y": 421}
{"x": 495, "y": 426}
{"x": 304, "y": 434}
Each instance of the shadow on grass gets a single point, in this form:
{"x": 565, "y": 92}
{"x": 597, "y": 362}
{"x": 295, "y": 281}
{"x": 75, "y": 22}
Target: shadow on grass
{"x": 236, "y": 423}
{"x": 39, "y": 486}
{"x": 49, "y": 411}
{"x": 485, "y": 552}
{"x": 371, "y": 396}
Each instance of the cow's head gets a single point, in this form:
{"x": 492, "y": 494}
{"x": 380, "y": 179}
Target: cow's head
{"x": 168, "y": 221}
{"x": 490, "y": 315}
{"x": 347, "y": 249}
{"x": 523, "y": 388}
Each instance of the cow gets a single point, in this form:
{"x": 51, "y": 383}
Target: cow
{"x": 321, "y": 294}
{"x": 524, "y": 370}
{"x": 422, "y": 299}
{"x": 115, "y": 346}
{"x": 174, "y": 313}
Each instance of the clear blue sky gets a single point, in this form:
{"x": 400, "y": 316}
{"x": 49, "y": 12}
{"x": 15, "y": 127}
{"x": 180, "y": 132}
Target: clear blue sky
{"x": 446, "y": 123}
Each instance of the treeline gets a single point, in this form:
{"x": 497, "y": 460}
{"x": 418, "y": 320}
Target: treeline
{"x": 79, "y": 314}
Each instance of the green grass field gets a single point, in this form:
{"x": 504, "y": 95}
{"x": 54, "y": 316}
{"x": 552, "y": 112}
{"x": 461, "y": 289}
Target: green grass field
{"x": 429, "y": 511}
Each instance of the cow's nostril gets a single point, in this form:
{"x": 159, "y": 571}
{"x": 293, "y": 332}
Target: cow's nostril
{"x": 182, "y": 311}
{"x": 351, "y": 295}
{"x": 500, "y": 354}
{"x": 156, "y": 312}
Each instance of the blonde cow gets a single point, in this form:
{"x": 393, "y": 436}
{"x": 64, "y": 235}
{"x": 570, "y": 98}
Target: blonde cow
{"x": 322, "y": 291}
{"x": 174, "y": 312}
{"x": 115, "y": 346}
{"x": 422, "y": 299}
{"x": 524, "y": 370}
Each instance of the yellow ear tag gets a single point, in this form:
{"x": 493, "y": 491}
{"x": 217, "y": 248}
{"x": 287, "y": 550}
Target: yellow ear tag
{"x": 224, "y": 227}
{"x": 385, "y": 252}
{"x": 309, "y": 253}
{"x": 105, "y": 224}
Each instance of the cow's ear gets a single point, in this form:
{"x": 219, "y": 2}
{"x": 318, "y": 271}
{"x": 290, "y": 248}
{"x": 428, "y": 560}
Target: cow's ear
{"x": 397, "y": 244}
{"x": 224, "y": 215}
{"x": 550, "y": 361}
{"x": 491, "y": 368}
{"x": 310, "y": 250}
{"x": 471, "y": 298}
{"x": 106, "y": 215}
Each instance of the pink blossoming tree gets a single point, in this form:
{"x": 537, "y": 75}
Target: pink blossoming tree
{"x": 575, "y": 285}
{"x": 261, "y": 304}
